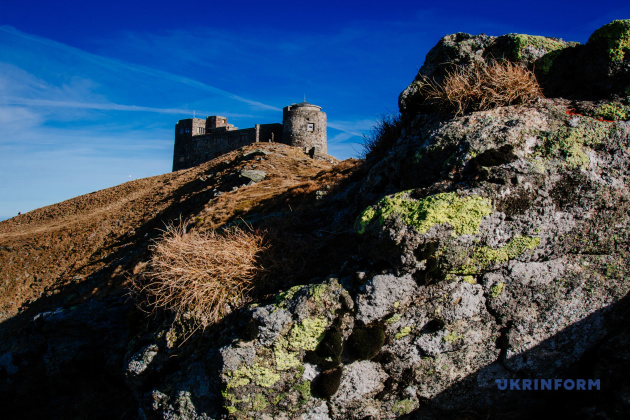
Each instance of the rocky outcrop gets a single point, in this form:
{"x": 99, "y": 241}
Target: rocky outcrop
{"x": 593, "y": 71}
{"x": 495, "y": 246}
{"x": 494, "y": 249}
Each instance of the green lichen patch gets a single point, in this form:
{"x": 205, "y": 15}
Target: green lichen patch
{"x": 304, "y": 389}
{"x": 452, "y": 337}
{"x": 496, "y": 290}
{"x": 404, "y": 332}
{"x": 393, "y": 319}
{"x": 260, "y": 402}
{"x": 283, "y": 297}
{"x": 403, "y": 407}
{"x": 307, "y": 334}
{"x": 464, "y": 214}
{"x": 283, "y": 358}
{"x": 613, "y": 111}
{"x": 469, "y": 279}
{"x": 528, "y": 48}
{"x": 318, "y": 291}
{"x": 616, "y": 35}
{"x": 365, "y": 219}
{"x": 568, "y": 143}
{"x": 231, "y": 402}
{"x": 485, "y": 256}
{"x": 260, "y": 375}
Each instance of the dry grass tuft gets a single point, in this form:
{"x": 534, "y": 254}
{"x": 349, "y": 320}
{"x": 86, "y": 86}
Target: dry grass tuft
{"x": 383, "y": 136}
{"x": 483, "y": 86}
{"x": 202, "y": 277}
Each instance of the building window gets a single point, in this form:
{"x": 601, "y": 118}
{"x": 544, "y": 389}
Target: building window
{"x": 310, "y": 127}
{"x": 202, "y": 130}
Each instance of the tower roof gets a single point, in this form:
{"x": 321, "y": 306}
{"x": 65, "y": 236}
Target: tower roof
{"x": 305, "y": 105}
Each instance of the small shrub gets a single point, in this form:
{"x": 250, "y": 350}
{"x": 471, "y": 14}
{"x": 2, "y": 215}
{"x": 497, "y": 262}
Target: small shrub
{"x": 383, "y": 136}
{"x": 481, "y": 87}
{"x": 202, "y": 277}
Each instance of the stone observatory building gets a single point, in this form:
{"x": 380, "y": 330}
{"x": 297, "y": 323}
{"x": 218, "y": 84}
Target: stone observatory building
{"x": 199, "y": 140}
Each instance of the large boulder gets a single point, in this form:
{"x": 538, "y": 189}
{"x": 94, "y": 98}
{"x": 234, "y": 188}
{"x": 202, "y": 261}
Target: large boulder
{"x": 463, "y": 49}
{"x": 596, "y": 70}
{"x": 518, "y": 239}
{"x": 599, "y": 69}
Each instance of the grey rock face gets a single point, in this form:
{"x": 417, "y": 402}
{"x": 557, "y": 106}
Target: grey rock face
{"x": 359, "y": 382}
{"x": 381, "y": 295}
{"x": 273, "y": 321}
{"x": 536, "y": 52}
{"x": 140, "y": 361}
{"x": 253, "y": 175}
{"x": 468, "y": 301}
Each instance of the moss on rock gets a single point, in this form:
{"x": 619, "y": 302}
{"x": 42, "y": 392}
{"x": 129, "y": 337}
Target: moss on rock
{"x": 528, "y": 48}
{"x": 616, "y": 35}
{"x": 484, "y": 256}
{"x": 464, "y": 214}
{"x": 327, "y": 355}
{"x": 403, "y": 407}
{"x": 569, "y": 142}
{"x": 307, "y": 334}
{"x": 327, "y": 383}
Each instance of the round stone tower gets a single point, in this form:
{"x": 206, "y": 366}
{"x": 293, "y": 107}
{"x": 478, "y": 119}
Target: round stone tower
{"x": 304, "y": 126}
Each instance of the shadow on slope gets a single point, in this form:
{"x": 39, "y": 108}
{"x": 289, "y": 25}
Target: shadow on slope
{"x": 602, "y": 356}
{"x": 62, "y": 355}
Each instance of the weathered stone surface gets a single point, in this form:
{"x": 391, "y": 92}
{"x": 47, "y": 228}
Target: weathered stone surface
{"x": 253, "y": 175}
{"x": 359, "y": 382}
{"x": 463, "y": 49}
{"x": 255, "y": 153}
{"x": 273, "y": 321}
{"x": 381, "y": 295}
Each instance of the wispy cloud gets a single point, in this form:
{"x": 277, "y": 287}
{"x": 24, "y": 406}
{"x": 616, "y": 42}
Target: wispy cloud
{"x": 91, "y": 105}
{"x": 117, "y": 67}
{"x": 354, "y": 128}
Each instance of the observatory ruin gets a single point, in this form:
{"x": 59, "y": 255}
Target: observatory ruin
{"x": 199, "y": 140}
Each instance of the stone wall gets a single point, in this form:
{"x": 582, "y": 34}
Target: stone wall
{"x": 199, "y": 140}
{"x": 194, "y": 149}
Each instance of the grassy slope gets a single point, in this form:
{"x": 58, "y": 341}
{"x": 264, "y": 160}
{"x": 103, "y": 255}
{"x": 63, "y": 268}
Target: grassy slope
{"x": 59, "y": 247}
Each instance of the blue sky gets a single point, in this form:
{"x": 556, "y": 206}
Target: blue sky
{"x": 90, "y": 91}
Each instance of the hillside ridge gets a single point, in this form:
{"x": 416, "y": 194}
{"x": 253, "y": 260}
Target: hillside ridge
{"x": 484, "y": 240}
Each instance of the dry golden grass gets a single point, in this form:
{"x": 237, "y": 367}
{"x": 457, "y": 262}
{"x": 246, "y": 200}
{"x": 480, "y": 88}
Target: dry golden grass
{"x": 202, "y": 277}
{"x": 483, "y": 86}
